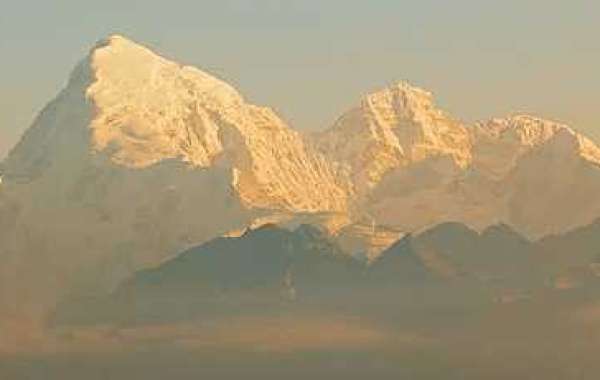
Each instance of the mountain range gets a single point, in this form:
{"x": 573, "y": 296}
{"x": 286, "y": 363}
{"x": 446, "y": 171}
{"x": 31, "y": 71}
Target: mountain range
{"x": 139, "y": 158}
{"x": 271, "y": 270}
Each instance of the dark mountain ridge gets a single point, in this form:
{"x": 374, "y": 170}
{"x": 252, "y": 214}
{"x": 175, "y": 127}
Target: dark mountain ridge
{"x": 271, "y": 268}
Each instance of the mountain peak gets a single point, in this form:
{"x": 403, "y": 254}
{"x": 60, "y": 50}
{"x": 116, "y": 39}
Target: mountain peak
{"x": 118, "y": 44}
{"x": 134, "y": 109}
{"x": 531, "y": 131}
{"x": 123, "y": 62}
{"x": 410, "y": 91}
{"x": 149, "y": 108}
{"x": 405, "y": 100}
{"x": 391, "y": 128}
{"x": 114, "y": 39}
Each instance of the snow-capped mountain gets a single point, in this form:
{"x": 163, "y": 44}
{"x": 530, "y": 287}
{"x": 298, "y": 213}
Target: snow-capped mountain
{"x": 139, "y": 158}
{"x": 390, "y": 129}
{"x": 141, "y": 110}
{"x": 412, "y": 166}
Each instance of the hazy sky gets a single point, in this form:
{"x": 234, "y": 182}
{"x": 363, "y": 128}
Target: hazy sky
{"x": 311, "y": 59}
